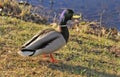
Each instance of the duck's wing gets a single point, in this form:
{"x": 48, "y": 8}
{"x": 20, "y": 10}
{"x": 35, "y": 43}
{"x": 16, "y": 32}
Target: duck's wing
{"x": 39, "y": 34}
{"x": 41, "y": 39}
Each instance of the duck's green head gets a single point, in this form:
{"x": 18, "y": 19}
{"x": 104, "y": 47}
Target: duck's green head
{"x": 66, "y": 15}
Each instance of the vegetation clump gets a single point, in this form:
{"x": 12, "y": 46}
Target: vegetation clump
{"x": 14, "y": 9}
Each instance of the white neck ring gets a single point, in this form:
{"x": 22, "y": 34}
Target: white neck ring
{"x": 63, "y": 25}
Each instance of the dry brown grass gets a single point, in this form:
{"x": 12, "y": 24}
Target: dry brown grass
{"x": 83, "y": 56}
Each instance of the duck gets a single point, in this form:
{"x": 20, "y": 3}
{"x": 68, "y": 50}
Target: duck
{"x": 49, "y": 40}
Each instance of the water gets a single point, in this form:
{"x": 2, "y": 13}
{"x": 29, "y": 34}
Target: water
{"x": 91, "y": 9}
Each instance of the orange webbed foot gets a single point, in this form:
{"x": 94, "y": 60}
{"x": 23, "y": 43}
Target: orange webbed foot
{"x": 44, "y": 55}
{"x": 52, "y": 59}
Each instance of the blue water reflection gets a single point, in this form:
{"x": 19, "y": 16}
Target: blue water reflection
{"x": 91, "y": 9}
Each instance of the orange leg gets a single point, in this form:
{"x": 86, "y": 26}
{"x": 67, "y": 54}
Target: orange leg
{"x": 44, "y": 55}
{"x": 52, "y": 59}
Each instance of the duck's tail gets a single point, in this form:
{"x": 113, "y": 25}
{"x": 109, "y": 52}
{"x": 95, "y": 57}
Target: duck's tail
{"x": 26, "y": 52}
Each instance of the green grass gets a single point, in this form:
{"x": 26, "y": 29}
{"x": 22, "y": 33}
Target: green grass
{"x": 85, "y": 55}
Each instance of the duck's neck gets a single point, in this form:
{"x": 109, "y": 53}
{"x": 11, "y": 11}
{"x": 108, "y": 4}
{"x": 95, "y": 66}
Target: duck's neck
{"x": 64, "y": 31}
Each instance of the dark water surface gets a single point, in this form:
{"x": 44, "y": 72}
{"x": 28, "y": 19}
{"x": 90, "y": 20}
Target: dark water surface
{"x": 90, "y": 9}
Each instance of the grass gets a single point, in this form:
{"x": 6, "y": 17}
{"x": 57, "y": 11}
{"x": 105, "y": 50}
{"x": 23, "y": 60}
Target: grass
{"x": 85, "y": 55}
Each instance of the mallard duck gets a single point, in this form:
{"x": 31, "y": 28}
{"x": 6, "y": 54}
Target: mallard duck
{"x": 49, "y": 40}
